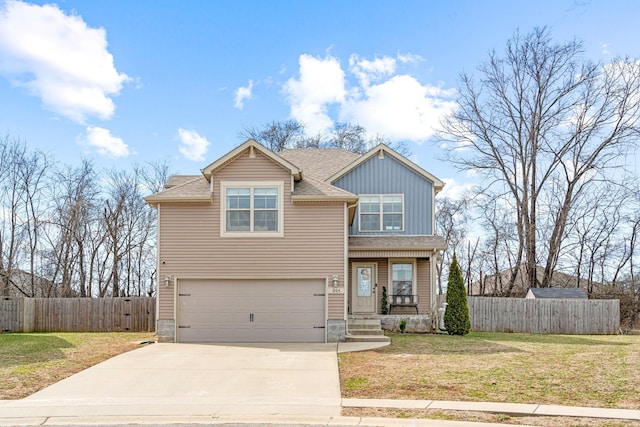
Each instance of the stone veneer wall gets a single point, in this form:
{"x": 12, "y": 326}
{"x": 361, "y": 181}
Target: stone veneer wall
{"x": 415, "y": 323}
{"x": 336, "y": 330}
{"x": 166, "y": 330}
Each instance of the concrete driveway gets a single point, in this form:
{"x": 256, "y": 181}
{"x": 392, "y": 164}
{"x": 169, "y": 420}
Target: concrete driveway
{"x": 197, "y": 380}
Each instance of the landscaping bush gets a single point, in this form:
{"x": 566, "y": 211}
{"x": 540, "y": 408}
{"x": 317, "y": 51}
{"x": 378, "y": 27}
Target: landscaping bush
{"x": 385, "y": 303}
{"x": 456, "y": 316}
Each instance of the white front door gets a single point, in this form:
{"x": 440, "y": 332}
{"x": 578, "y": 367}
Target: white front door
{"x": 363, "y": 288}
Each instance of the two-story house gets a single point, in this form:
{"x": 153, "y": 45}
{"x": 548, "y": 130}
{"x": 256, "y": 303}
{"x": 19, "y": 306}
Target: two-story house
{"x": 266, "y": 247}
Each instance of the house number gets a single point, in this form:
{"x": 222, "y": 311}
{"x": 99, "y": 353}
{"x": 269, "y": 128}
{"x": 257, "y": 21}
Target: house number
{"x": 337, "y": 290}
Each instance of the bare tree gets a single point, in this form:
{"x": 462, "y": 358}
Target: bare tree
{"x": 13, "y": 157}
{"x": 276, "y": 136}
{"x": 539, "y": 120}
{"x": 451, "y": 222}
{"x": 279, "y": 136}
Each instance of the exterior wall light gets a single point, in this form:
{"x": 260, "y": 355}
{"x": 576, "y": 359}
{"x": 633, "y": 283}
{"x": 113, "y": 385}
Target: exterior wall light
{"x": 335, "y": 281}
{"x": 167, "y": 280}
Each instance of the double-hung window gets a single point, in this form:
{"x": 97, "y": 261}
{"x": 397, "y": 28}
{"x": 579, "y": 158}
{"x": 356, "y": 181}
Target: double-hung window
{"x": 383, "y": 212}
{"x": 402, "y": 278}
{"x": 251, "y": 209}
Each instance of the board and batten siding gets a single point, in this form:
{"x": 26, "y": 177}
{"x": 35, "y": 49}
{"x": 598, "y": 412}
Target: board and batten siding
{"x": 389, "y": 176}
{"x": 190, "y": 245}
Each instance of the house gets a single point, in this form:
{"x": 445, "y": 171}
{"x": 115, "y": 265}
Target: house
{"x": 497, "y": 285}
{"x": 562, "y": 293}
{"x": 266, "y": 247}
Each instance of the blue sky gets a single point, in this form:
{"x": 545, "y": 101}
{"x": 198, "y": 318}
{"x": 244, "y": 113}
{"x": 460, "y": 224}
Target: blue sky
{"x": 125, "y": 82}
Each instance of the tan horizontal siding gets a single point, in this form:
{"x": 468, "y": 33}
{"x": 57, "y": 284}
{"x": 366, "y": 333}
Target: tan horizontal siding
{"x": 336, "y": 307}
{"x": 191, "y": 246}
{"x": 424, "y": 285}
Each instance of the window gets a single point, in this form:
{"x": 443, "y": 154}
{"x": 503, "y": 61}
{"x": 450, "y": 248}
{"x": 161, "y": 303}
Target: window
{"x": 382, "y": 213}
{"x": 251, "y": 209}
{"x": 402, "y": 278}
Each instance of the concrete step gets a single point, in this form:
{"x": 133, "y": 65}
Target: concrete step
{"x": 364, "y": 323}
{"x": 367, "y": 338}
{"x": 358, "y": 331}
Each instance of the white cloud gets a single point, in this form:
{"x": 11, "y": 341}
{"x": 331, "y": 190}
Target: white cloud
{"x": 192, "y": 145}
{"x": 410, "y": 58}
{"x": 455, "y": 190}
{"x": 243, "y": 93}
{"x": 59, "y": 59}
{"x": 104, "y": 142}
{"x": 401, "y": 108}
{"x": 321, "y": 83}
{"x": 382, "y": 100}
{"x": 367, "y": 71}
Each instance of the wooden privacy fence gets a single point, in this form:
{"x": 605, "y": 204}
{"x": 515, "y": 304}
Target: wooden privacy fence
{"x": 136, "y": 314}
{"x": 545, "y": 316}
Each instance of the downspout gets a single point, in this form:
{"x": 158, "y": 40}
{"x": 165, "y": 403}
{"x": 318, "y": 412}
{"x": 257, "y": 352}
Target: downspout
{"x": 346, "y": 264}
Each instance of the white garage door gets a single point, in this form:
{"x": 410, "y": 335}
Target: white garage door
{"x": 251, "y": 311}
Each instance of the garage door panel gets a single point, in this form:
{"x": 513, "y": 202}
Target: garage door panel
{"x": 251, "y": 311}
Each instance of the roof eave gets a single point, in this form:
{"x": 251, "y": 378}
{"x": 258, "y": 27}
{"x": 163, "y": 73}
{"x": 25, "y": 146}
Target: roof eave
{"x": 318, "y": 198}
{"x": 396, "y": 248}
{"x": 155, "y": 201}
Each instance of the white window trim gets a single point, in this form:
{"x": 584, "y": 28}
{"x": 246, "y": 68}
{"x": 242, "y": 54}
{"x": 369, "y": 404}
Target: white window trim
{"x": 414, "y": 271}
{"x": 279, "y": 185}
{"x": 381, "y": 229}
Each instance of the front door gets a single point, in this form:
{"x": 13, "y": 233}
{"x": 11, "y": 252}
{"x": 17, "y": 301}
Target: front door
{"x": 363, "y": 288}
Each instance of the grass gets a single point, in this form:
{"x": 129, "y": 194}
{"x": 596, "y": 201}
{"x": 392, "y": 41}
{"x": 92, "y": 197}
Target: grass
{"x": 31, "y": 362}
{"x": 600, "y": 371}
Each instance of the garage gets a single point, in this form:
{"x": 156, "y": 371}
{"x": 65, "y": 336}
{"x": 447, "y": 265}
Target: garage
{"x": 251, "y": 310}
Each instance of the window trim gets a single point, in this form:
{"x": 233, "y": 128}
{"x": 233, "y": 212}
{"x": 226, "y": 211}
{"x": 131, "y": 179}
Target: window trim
{"x": 414, "y": 273}
{"x": 381, "y": 214}
{"x": 252, "y": 185}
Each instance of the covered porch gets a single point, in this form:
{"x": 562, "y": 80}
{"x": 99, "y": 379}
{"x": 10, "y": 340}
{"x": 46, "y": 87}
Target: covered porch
{"x": 403, "y": 268}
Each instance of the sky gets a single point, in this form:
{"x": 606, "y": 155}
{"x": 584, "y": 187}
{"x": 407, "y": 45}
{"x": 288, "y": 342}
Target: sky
{"x": 127, "y": 82}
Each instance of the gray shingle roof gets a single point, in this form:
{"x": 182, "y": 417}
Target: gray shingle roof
{"x": 319, "y": 163}
{"x": 188, "y": 189}
{"x": 310, "y": 186}
{"x": 558, "y": 293}
{"x": 397, "y": 242}
{"x": 175, "y": 180}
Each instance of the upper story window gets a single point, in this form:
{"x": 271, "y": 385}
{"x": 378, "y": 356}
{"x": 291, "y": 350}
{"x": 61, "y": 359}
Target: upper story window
{"x": 383, "y": 212}
{"x": 251, "y": 209}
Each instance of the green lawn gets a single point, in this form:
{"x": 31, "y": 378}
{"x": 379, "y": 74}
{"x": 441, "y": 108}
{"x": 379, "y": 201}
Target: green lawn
{"x": 30, "y": 362}
{"x": 574, "y": 370}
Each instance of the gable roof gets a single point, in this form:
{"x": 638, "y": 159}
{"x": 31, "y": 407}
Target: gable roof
{"x": 383, "y": 149}
{"x": 558, "y": 293}
{"x": 320, "y": 163}
{"x": 251, "y": 145}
